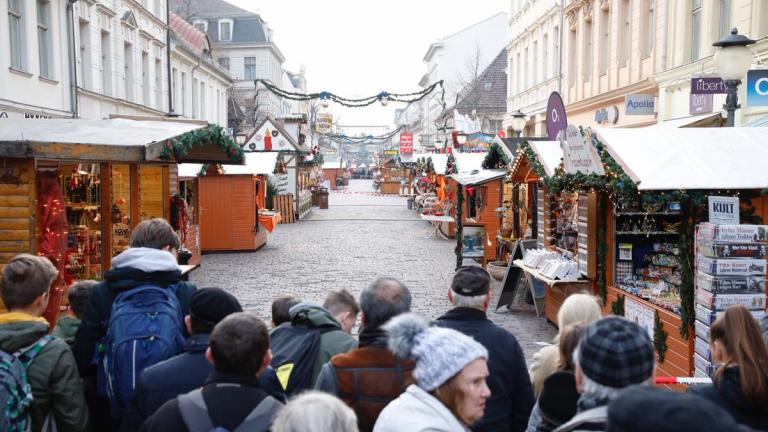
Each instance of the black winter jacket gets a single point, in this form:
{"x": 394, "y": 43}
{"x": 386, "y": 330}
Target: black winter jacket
{"x": 119, "y": 278}
{"x": 727, "y": 393}
{"x": 179, "y": 375}
{"x": 512, "y": 398}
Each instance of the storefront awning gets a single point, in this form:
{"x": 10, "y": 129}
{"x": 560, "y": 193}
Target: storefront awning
{"x": 690, "y": 158}
{"x": 119, "y": 140}
{"x": 549, "y": 153}
{"x": 478, "y": 176}
{"x": 704, "y": 120}
{"x": 255, "y": 163}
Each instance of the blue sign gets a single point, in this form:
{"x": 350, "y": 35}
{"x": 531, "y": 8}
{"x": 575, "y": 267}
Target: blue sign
{"x": 639, "y": 104}
{"x": 757, "y": 87}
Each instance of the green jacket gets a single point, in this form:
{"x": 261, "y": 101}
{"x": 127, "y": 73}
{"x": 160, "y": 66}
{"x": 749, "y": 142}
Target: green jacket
{"x": 331, "y": 342}
{"x": 53, "y": 376}
{"x": 66, "y": 328}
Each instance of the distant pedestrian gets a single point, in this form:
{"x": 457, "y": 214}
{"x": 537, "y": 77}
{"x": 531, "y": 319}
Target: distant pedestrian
{"x": 613, "y": 353}
{"x": 280, "y": 309}
{"x": 150, "y": 262}
{"x": 231, "y": 397}
{"x": 77, "y": 295}
{"x": 509, "y": 406}
{"x": 56, "y": 400}
{"x": 740, "y": 384}
{"x": 315, "y": 412}
{"x": 343, "y": 306}
{"x": 302, "y": 346}
{"x": 451, "y": 368}
{"x": 576, "y": 309}
{"x": 370, "y": 377}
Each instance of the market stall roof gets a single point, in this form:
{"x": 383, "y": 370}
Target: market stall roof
{"x": 118, "y": 139}
{"x": 761, "y": 122}
{"x": 255, "y": 164}
{"x": 704, "y": 120}
{"x": 469, "y": 161}
{"x": 549, "y": 153}
{"x": 476, "y": 177}
{"x": 690, "y": 158}
{"x": 332, "y": 165}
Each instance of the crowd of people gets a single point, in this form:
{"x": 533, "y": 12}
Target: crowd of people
{"x": 145, "y": 351}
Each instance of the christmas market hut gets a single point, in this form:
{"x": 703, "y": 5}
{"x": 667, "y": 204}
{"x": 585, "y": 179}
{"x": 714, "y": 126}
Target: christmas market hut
{"x": 73, "y": 189}
{"x": 333, "y": 172}
{"x": 230, "y": 210}
{"x": 393, "y": 174}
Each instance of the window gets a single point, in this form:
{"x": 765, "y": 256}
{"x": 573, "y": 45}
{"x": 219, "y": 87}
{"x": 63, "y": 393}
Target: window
{"x": 203, "y": 106}
{"x": 225, "y": 30}
{"x": 625, "y": 32}
{"x": 44, "y": 38}
{"x": 224, "y": 62}
{"x": 725, "y": 17}
{"x": 556, "y": 51}
{"x": 604, "y": 46}
{"x": 85, "y": 56}
{"x": 128, "y": 73}
{"x": 650, "y": 32}
{"x": 195, "y": 89}
{"x": 526, "y": 59}
{"x": 158, "y": 84}
{"x": 695, "y": 29}
{"x": 586, "y": 70}
{"x": 545, "y": 57}
{"x": 175, "y": 89}
{"x": 16, "y": 30}
{"x": 184, "y": 107}
{"x": 106, "y": 64}
{"x": 145, "y": 78}
{"x": 159, "y": 9}
{"x": 520, "y": 84}
{"x": 201, "y": 25}
{"x": 250, "y": 68}
{"x": 535, "y": 63}
{"x": 572, "y": 58}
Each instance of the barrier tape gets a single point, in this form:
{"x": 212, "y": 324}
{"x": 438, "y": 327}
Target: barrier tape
{"x": 683, "y": 380}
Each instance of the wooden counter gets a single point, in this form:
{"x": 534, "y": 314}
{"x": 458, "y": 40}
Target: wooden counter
{"x": 390, "y": 187}
{"x": 556, "y": 291}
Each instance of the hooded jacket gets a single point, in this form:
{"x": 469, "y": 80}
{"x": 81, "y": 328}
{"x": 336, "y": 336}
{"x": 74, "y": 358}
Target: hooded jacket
{"x": 132, "y": 268}
{"x": 52, "y": 374}
{"x": 66, "y": 328}
{"x": 417, "y": 411}
{"x": 728, "y": 395}
{"x": 332, "y": 342}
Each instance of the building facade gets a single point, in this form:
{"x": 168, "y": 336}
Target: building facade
{"x": 533, "y": 64}
{"x": 35, "y": 67}
{"x": 199, "y": 85}
{"x": 692, "y": 26}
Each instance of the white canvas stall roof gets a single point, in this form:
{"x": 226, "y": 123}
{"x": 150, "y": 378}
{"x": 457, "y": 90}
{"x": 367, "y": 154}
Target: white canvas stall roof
{"x": 332, "y": 165}
{"x": 549, "y": 153}
{"x": 690, "y": 158}
{"x": 469, "y": 161}
{"x": 478, "y": 177}
{"x": 255, "y": 163}
{"x": 84, "y": 139}
{"x": 692, "y": 121}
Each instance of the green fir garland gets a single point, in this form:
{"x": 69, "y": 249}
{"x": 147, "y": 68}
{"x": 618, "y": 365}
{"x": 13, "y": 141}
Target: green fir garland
{"x": 659, "y": 337}
{"x": 617, "y": 306}
{"x": 496, "y": 158}
{"x": 180, "y": 146}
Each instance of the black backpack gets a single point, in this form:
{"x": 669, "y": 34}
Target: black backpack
{"x": 195, "y": 414}
{"x": 295, "y": 347}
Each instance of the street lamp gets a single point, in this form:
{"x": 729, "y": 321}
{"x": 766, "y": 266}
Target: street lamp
{"x": 519, "y": 119}
{"x": 732, "y": 61}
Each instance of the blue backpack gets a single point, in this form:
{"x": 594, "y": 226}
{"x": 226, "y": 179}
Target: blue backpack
{"x": 145, "y": 327}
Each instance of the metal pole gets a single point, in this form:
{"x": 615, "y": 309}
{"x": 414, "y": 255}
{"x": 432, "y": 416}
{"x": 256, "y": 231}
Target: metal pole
{"x": 731, "y": 101}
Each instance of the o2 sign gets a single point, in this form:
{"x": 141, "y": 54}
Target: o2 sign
{"x": 757, "y": 87}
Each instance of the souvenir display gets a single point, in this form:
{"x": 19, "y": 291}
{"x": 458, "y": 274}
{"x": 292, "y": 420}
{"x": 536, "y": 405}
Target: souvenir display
{"x": 565, "y": 221}
{"x": 552, "y": 264}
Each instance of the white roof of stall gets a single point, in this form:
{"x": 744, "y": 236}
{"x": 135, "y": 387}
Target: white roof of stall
{"x": 478, "y": 177}
{"x": 332, "y": 165}
{"x": 255, "y": 163}
{"x": 550, "y": 154}
{"x": 469, "y": 161}
{"x": 691, "y": 158}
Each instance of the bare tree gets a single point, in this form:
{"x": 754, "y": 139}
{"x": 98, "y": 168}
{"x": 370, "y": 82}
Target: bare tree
{"x": 468, "y": 80}
{"x": 185, "y": 8}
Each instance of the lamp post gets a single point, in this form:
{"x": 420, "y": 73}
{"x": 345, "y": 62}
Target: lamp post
{"x": 732, "y": 61}
{"x": 519, "y": 119}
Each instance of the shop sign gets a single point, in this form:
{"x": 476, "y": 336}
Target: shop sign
{"x": 757, "y": 87}
{"x": 607, "y": 115}
{"x": 578, "y": 156}
{"x": 390, "y": 152}
{"x": 639, "y": 104}
{"x": 24, "y": 115}
{"x": 707, "y": 85}
{"x": 723, "y": 210}
{"x": 406, "y": 142}
{"x": 700, "y": 104}
{"x": 556, "y": 120}
{"x": 324, "y": 123}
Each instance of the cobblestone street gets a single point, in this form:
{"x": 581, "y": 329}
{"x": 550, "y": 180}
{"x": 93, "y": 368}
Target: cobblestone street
{"x": 361, "y": 236}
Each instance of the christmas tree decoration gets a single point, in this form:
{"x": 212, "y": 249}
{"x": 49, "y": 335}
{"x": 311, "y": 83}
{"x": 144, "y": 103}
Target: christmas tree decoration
{"x": 451, "y": 166}
{"x": 496, "y": 158}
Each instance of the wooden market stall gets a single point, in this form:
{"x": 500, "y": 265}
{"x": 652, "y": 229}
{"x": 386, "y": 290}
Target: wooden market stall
{"x": 651, "y": 261}
{"x": 392, "y": 174}
{"x": 73, "y": 189}
{"x": 332, "y": 171}
{"x": 232, "y": 213}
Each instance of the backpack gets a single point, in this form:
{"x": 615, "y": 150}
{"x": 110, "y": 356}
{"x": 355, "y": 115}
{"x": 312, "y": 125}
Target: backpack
{"x": 194, "y": 412}
{"x": 145, "y": 327}
{"x": 295, "y": 347}
{"x": 15, "y": 391}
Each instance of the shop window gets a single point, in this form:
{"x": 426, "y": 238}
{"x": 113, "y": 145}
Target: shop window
{"x": 151, "y": 203}
{"x": 565, "y": 218}
{"x": 69, "y": 221}
{"x": 121, "y": 208}
{"x": 476, "y": 201}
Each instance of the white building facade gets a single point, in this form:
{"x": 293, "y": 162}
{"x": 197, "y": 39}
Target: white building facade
{"x": 35, "y": 76}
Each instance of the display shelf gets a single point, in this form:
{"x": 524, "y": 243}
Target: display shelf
{"x": 647, "y": 233}
{"x": 639, "y": 213}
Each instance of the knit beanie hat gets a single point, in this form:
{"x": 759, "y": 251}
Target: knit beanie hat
{"x": 616, "y": 352}
{"x": 440, "y": 353}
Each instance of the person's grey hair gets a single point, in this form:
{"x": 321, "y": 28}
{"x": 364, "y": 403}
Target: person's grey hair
{"x": 316, "y": 411}
{"x": 594, "y": 389}
{"x": 380, "y": 302}
{"x": 475, "y": 302}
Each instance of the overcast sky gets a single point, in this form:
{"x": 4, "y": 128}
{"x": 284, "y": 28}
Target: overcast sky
{"x": 361, "y": 47}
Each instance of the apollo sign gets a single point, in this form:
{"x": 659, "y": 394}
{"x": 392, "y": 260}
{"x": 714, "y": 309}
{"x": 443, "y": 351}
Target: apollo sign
{"x": 639, "y": 104}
